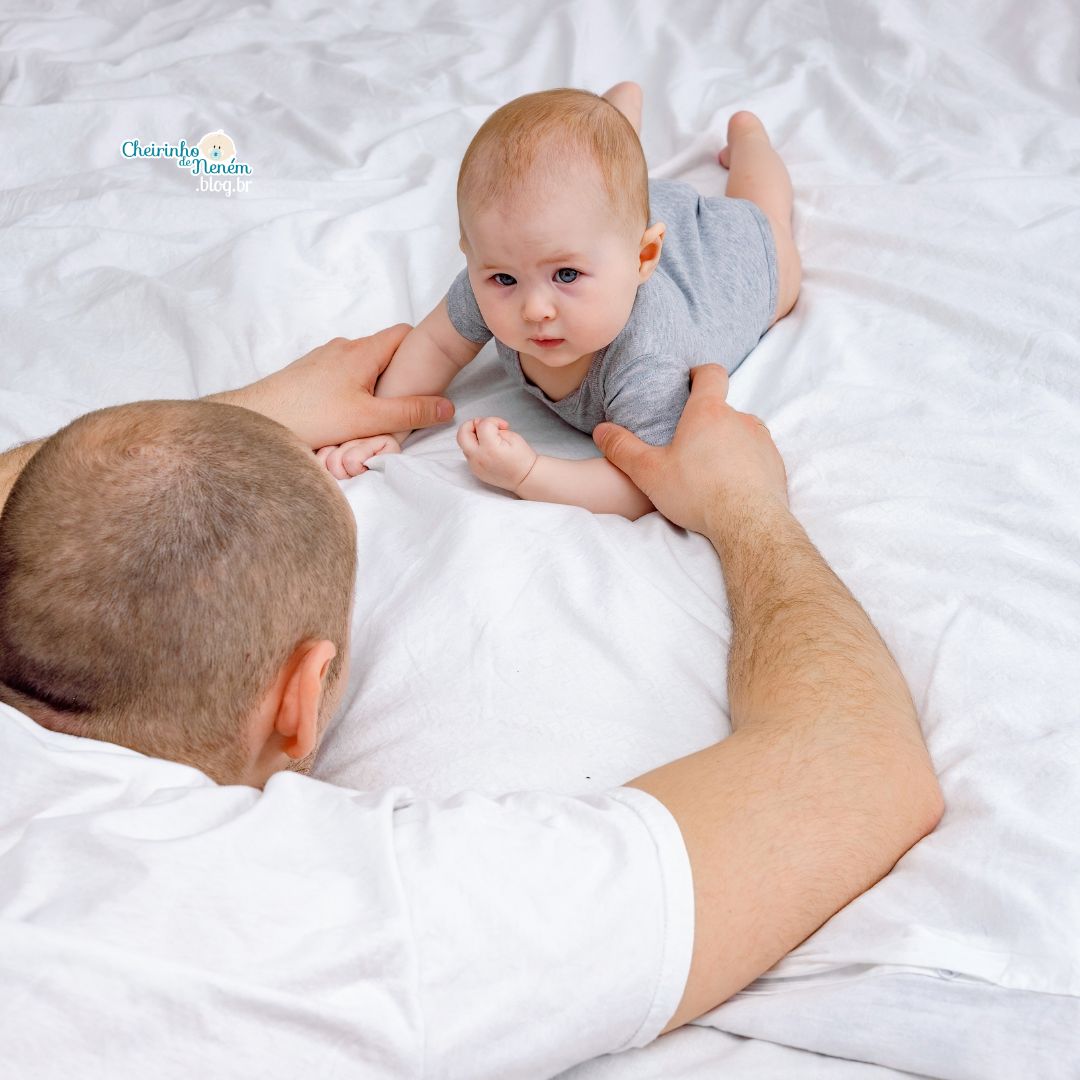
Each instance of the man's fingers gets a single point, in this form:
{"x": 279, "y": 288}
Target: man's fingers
{"x": 710, "y": 377}
{"x": 398, "y": 413}
{"x": 385, "y": 343}
{"x": 622, "y": 448}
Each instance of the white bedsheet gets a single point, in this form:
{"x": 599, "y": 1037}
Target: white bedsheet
{"x": 925, "y": 395}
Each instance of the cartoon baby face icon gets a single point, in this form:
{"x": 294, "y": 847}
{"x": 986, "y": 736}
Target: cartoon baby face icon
{"x": 217, "y": 146}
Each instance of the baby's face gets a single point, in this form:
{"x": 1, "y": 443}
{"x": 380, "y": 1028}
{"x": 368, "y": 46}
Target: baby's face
{"x": 556, "y": 265}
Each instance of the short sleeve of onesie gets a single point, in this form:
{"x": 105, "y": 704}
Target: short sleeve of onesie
{"x": 465, "y": 312}
{"x": 646, "y": 394}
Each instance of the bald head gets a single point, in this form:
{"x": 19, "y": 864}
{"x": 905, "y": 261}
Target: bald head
{"x": 159, "y": 563}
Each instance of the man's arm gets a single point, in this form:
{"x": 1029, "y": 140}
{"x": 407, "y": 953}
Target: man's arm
{"x": 327, "y": 396}
{"x": 825, "y": 781}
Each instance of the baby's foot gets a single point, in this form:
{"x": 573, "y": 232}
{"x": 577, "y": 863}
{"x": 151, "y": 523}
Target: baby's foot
{"x": 627, "y": 98}
{"x": 742, "y": 125}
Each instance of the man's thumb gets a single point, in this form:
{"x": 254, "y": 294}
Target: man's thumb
{"x": 621, "y": 447}
{"x": 414, "y": 412}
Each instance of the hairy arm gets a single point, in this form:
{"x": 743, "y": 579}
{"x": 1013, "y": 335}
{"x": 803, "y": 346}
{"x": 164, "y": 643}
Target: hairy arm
{"x": 324, "y": 397}
{"x": 825, "y": 780}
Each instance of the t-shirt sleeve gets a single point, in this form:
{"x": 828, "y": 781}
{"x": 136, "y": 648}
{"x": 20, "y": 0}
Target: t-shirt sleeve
{"x": 646, "y": 395}
{"x": 464, "y": 310}
{"x": 549, "y": 929}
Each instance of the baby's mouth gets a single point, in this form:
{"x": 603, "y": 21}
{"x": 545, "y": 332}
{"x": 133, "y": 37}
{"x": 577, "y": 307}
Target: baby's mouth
{"x": 547, "y": 343}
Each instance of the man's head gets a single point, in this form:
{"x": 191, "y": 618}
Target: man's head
{"x": 176, "y": 577}
{"x": 553, "y": 202}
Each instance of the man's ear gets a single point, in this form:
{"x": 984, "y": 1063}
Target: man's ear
{"x": 297, "y": 718}
{"x": 649, "y": 254}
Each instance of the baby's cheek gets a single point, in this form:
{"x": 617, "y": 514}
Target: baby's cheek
{"x": 500, "y": 322}
{"x": 602, "y": 319}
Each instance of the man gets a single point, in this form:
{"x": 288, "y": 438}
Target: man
{"x": 174, "y": 583}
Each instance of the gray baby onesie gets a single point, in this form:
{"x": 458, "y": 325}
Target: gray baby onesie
{"x": 709, "y": 300}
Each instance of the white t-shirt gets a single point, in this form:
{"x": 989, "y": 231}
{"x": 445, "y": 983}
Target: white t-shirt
{"x": 154, "y": 923}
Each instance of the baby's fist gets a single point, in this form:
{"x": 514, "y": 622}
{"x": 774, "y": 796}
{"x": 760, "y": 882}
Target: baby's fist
{"x": 350, "y": 458}
{"x": 496, "y": 455}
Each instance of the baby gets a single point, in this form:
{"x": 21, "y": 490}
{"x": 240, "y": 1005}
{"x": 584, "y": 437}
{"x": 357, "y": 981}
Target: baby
{"x": 602, "y": 288}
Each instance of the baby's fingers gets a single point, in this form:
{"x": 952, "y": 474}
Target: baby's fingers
{"x": 330, "y": 456}
{"x": 488, "y": 429}
{"x": 466, "y": 437}
{"x": 355, "y": 455}
{"x": 349, "y": 458}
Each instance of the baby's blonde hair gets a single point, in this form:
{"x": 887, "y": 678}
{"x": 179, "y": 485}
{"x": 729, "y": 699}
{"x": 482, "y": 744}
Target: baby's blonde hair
{"x": 533, "y": 136}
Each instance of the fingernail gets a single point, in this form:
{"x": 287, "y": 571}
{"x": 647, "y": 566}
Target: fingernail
{"x": 444, "y": 410}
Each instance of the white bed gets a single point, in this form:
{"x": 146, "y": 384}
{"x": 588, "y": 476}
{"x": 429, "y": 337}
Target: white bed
{"x": 925, "y": 394}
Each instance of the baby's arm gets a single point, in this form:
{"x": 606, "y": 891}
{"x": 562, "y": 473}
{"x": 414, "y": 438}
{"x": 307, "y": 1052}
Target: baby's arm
{"x": 426, "y": 362}
{"x": 593, "y": 483}
{"x": 502, "y": 458}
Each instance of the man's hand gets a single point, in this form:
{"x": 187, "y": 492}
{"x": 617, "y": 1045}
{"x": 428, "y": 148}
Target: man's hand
{"x": 496, "y": 455}
{"x": 716, "y": 454}
{"x": 327, "y": 396}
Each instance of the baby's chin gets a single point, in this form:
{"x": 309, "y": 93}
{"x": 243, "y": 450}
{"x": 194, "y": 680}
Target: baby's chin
{"x": 563, "y": 355}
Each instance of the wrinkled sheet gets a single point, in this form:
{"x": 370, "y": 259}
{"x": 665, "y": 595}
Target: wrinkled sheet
{"x": 924, "y": 392}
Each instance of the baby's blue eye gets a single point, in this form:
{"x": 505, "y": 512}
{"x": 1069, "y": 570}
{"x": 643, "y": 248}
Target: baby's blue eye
{"x": 508, "y": 282}
{"x": 566, "y": 270}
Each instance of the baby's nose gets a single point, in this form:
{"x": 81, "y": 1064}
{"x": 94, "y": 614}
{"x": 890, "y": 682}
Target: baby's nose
{"x": 538, "y": 306}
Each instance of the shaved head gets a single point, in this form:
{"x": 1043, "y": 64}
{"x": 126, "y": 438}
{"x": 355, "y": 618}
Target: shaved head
{"x": 159, "y": 563}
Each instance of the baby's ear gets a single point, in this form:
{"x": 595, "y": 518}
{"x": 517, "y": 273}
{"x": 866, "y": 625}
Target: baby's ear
{"x": 651, "y": 244}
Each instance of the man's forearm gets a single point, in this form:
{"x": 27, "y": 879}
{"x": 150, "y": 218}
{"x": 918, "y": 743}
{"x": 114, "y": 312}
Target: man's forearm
{"x": 825, "y": 781}
{"x": 802, "y": 647}
{"x": 12, "y": 462}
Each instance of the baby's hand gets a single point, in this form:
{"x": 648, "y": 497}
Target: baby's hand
{"x": 496, "y": 455}
{"x": 349, "y": 458}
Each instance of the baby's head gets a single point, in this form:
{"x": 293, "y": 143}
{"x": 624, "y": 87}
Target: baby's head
{"x": 553, "y": 201}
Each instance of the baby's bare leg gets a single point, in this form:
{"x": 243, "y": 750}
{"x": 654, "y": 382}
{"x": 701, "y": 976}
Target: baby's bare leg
{"x": 758, "y": 174}
{"x": 627, "y": 98}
